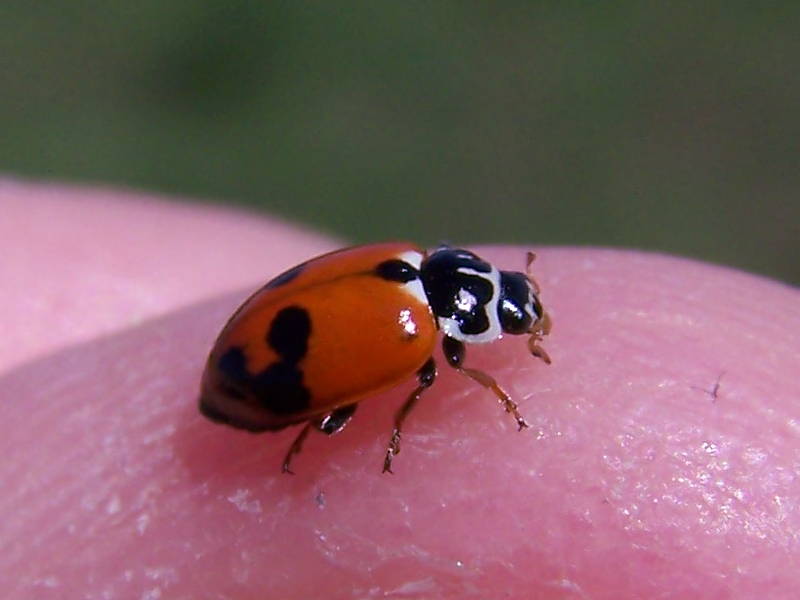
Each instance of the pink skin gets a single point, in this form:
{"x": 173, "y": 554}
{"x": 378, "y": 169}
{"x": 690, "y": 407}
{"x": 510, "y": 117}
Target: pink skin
{"x": 662, "y": 459}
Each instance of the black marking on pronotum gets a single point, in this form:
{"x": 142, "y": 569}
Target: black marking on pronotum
{"x": 397, "y": 270}
{"x": 475, "y": 321}
{"x": 455, "y": 258}
{"x": 444, "y": 285}
{"x": 285, "y": 277}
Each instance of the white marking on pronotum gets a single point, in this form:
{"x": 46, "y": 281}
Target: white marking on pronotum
{"x": 414, "y": 287}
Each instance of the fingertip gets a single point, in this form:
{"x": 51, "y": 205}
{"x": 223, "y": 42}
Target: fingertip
{"x": 628, "y": 478}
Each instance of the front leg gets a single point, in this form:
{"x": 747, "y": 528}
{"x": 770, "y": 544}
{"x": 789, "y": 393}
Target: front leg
{"x": 540, "y": 329}
{"x": 454, "y": 352}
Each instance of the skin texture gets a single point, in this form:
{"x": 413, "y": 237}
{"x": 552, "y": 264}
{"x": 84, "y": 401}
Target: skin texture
{"x": 662, "y": 459}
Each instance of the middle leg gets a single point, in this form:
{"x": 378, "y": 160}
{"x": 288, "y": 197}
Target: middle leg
{"x": 426, "y": 375}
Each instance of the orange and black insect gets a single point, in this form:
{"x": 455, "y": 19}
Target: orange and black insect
{"x": 324, "y": 335}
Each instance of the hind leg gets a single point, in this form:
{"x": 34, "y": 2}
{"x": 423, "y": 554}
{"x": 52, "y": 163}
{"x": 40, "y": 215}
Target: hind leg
{"x": 331, "y": 423}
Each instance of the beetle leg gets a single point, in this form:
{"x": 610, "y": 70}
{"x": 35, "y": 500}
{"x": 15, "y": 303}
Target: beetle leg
{"x": 536, "y": 350}
{"x": 336, "y": 420}
{"x": 295, "y": 448}
{"x": 540, "y": 329}
{"x": 426, "y": 375}
{"x": 529, "y": 261}
{"x": 331, "y": 423}
{"x": 455, "y": 351}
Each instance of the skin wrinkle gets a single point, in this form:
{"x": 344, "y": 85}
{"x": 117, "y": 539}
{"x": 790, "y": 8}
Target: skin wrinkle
{"x": 105, "y": 431}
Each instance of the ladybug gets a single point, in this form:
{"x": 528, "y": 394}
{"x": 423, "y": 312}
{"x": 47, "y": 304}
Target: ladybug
{"x": 319, "y": 338}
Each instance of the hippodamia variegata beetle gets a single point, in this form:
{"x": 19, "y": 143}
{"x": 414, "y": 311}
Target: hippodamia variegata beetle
{"x": 324, "y": 335}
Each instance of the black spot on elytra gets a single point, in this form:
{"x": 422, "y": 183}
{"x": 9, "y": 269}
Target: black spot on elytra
{"x": 279, "y": 388}
{"x": 233, "y": 366}
{"x": 212, "y": 412}
{"x": 288, "y": 335}
{"x": 285, "y": 277}
{"x": 396, "y": 270}
{"x": 231, "y": 391}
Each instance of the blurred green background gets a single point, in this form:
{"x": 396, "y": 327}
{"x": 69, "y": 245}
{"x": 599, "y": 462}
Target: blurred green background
{"x": 667, "y": 126}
